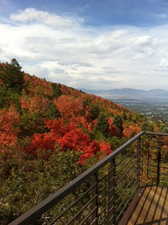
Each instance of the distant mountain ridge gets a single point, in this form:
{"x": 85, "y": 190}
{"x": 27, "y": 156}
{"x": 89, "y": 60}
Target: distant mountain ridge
{"x": 130, "y": 93}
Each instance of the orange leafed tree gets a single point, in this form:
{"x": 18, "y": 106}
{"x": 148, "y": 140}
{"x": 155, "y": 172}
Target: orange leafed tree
{"x": 34, "y": 104}
{"x": 131, "y": 130}
{"x": 69, "y": 106}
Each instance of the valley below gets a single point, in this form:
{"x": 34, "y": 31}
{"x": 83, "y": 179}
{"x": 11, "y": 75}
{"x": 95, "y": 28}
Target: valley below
{"x": 152, "y": 103}
{"x": 156, "y": 110}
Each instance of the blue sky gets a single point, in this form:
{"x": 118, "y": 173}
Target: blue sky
{"x": 88, "y": 43}
{"x": 100, "y": 13}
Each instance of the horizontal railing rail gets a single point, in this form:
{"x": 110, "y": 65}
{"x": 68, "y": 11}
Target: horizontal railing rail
{"x": 155, "y": 133}
{"x": 101, "y": 194}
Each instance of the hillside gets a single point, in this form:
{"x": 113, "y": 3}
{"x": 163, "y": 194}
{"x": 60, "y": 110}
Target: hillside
{"x": 50, "y": 133}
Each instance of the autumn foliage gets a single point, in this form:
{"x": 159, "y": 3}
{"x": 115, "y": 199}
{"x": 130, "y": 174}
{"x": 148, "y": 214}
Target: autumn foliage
{"x": 39, "y": 116}
{"x": 50, "y": 133}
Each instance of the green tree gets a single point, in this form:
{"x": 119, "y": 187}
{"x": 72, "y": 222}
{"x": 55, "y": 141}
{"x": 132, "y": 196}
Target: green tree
{"x": 56, "y": 90}
{"x": 102, "y": 124}
{"x": 94, "y": 112}
{"x": 12, "y": 76}
{"x": 15, "y": 63}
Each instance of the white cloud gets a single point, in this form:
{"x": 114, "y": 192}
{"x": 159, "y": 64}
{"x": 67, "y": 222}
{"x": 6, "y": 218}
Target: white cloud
{"x": 64, "y": 49}
{"x": 33, "y": 15}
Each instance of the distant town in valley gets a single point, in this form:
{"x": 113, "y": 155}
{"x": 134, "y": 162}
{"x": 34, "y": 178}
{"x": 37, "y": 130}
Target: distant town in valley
{"x": 156, "y": 110}
{"x": 152, "y": 103}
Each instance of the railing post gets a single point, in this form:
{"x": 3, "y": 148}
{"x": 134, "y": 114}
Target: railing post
{"x": 138, "y": 155}
{"x": 113, "y": 190}
{"x": 148, "y": 161}
{"x": 97, "y": 198}
{"x": 158, "y": 162}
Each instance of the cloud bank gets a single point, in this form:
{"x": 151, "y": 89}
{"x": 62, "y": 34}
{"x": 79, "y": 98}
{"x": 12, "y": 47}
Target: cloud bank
{"x": 63, "y": 49}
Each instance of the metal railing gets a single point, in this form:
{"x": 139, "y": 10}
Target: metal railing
{"x": 101, "y": 195}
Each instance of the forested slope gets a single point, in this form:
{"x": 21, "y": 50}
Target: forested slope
{"x": 50, "y": 133}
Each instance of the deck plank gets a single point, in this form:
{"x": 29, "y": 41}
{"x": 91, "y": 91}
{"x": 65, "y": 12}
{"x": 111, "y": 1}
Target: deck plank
{"x": 138, "y": 208}
{"x": 151, "y": 208}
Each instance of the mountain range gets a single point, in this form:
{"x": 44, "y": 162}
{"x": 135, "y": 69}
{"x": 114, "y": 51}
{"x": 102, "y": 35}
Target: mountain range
{"x": 130, "y": 93}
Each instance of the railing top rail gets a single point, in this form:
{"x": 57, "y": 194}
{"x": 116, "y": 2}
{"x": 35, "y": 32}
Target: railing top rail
{"x": 156, "y": 133}
{"x": 64, "y": 191}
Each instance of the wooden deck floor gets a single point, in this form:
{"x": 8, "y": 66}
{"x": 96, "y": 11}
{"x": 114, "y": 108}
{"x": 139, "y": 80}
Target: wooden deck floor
{"x": 149, "y": 208}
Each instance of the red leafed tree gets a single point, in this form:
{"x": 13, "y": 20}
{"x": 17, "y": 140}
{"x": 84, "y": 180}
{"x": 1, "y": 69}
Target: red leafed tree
{"x": 68, "y": 136}
{"x": 95, "y": 148}
{"x": 9, "y": 118}
{"x": 74, "y": 139}
{"x": 59, "y": 127}
{"x": 112, "y": 129}
{"x": 41, "y": 142}
{"x": 105, "y": 148}
{"x": 83, "y": 122}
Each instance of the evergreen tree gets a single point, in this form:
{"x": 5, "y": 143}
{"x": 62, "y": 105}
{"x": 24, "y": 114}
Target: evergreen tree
{"x": 15, "y": 63}
{"x": 12, "y": 76}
